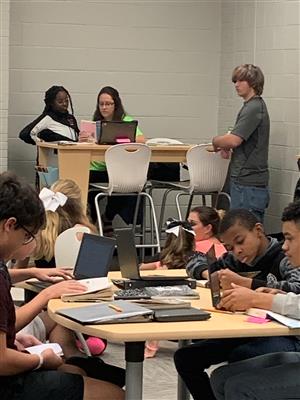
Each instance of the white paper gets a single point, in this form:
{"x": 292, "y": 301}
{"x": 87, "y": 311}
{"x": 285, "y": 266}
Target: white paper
{"x": 289, "y": 322}
{"x": 38, "y": 349}
{"x": 93, "y": 285}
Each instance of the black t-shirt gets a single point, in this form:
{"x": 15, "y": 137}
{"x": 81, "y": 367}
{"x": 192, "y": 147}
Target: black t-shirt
{"x": 7, "y": 308}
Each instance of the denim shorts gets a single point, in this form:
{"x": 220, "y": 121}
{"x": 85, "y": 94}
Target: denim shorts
{"x": 252, "y": 198}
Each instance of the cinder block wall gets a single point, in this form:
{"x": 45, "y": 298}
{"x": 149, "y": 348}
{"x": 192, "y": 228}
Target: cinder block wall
{"x": 171, "y": 62}
{"x": 163, "y": 57}
{"x": 4, "y": 46}
{"x": 267, "y": 33}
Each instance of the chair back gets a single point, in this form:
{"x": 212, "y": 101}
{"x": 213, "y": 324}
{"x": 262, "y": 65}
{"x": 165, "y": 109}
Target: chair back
{"x": 67, "y": 246}
{"x": 207, "y": 169}
{"x": 127, "y": 167}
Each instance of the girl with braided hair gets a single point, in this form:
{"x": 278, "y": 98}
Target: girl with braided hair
{"x": 55, "y": 123}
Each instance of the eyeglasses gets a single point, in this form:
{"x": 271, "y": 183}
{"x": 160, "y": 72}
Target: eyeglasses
{"x": 106, "y": 104}
{"x": 29, "y": 237}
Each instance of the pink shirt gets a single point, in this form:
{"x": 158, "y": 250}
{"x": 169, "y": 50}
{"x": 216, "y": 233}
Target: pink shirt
{"x": 204, "y": 245}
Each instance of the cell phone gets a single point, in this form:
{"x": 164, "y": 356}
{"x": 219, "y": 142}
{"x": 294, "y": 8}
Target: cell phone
{"x": 214, "y": 281}
{"x": 215, "y": 288}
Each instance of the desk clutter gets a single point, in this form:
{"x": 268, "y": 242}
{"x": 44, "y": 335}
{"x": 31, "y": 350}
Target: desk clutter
{"x": 122, "y": 311}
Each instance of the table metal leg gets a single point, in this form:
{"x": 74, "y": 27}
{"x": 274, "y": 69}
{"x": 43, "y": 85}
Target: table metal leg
{"x": 182, "y": 390}
{"x": 134, "y": 356}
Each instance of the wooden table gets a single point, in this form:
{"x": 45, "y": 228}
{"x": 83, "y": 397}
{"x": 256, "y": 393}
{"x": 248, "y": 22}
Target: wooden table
{"x": 74, "y": 159}
{"x": 220, "y": 325}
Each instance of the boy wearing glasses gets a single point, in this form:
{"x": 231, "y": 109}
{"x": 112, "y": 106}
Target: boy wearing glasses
{"x": 248, "y": 141}
{"x": 22, "y": 375}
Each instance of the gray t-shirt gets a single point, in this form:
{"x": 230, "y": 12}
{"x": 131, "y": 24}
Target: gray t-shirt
{"x": 249, "y": 163}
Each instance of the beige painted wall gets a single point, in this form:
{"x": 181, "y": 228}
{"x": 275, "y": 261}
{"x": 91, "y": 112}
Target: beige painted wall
{"x": 162, "y": 57}
{"x": 4, "y": 48}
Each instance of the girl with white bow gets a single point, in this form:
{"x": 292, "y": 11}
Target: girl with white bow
{"x": 179, "y": 247}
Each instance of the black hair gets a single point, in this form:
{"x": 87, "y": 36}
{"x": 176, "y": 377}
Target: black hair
{"x": 292, "y": 212}
{"x": 208, "y": 216}
{"x": 50, "y": 96}
{"x": 21, "y": 201}
{"x": 119, "y": 111}
{"x": 241, "y": 216}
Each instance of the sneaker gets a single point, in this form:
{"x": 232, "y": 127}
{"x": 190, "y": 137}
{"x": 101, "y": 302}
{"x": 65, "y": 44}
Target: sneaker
{"x": 95, "y": 345}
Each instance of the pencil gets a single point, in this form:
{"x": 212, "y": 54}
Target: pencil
{"x": 216, "y": 310}
{"x": 116, "y": 308}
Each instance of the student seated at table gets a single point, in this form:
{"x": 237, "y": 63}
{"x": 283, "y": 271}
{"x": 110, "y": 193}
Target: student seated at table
{"x": 64, "y": 210}
{"x": 251, "y": 250}
{"x": 179, "y": 246}
{"x": 42, "y": 327}
{"x": 271, "y": 376}
{"x": 205, "y": 222}
{"x": 109, "y": 107}
{"x": 23, "y": 375}
{"x": 55, "y": 122}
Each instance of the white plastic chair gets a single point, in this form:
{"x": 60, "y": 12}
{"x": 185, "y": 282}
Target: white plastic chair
{"x": 127, "y": 166}
{"x": 67, "y": 246}
{"x": 66, "y": 250}
{"x": 207, "y": 172}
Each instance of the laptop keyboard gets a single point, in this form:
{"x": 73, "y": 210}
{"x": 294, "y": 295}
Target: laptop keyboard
{"x": 163, "y": 291}
{"x": 136, "y": 293}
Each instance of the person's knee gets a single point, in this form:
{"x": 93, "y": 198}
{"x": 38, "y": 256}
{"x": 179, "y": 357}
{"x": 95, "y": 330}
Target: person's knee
{"x": 217, "y": 380}
{"x": 236, "y": 389}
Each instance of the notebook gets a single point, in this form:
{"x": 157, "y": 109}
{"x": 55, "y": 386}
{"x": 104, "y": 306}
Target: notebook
{"x": 112, "y": 132}
{"x": 104, "y": 313}
{"x": 128, "y": 259}
{"x": 93, "y": 260}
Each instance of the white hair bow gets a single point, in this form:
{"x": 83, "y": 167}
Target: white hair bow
{"x": 173, "y": 226}
{"x": 52, "y": 200}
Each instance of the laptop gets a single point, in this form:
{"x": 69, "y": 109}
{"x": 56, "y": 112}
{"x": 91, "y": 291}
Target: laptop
{"x": 112, "y": 132}
{"x": 214, "y": 282}
{"x": 93, "y": 260}
{"x": 128, "y": 259}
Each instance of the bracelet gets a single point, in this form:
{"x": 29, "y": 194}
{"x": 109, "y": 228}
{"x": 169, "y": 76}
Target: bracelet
{"x": 40, "y": 364}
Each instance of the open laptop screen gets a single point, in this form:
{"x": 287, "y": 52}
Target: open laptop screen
{"x": 112, "y": 132}
{"x": 94, "y": 257}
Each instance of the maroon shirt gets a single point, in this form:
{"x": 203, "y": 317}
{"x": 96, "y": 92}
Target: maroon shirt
{"x": 7, "y": 308}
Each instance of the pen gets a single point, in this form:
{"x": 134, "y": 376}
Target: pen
{"x": 116, "y": 308}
